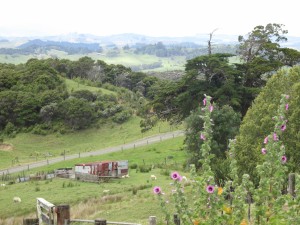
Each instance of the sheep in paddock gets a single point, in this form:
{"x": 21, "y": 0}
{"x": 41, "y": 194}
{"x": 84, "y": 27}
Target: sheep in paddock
{"x": 106, "y": 191}
{"x": 17, "y": 200}
{"x": 2, "y": 185}
{"x": 153, "y": 177}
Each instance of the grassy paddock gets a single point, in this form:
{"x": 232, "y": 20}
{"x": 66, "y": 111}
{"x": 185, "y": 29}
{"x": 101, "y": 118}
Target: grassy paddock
{"x": 75, "y": 86}
{"x": 88, "y": 201}
{"x": 127, "y": 59}
{"x": 29, "y": 147}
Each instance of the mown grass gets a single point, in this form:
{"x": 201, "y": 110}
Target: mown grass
{"x": 88, "y": 201}
{"x": 28, "y": 147}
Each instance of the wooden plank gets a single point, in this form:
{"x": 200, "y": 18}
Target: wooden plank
{"x": 45, "y": 204}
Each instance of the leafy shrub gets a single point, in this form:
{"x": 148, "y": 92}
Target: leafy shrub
{"x": 133, "y": 166}
{"x": 121, "y": 117}
{"x": 144, "y": 168}
{"x": 259, "y": 122}
{"x": 38, "y": 129}
{"x": 10, "y": 130}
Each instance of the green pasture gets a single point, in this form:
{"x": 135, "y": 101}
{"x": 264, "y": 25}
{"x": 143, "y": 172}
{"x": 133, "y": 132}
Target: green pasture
{"x": 75, "y": 86}
{"x": 129, "y": 199}
{"x": 28, "y": 147}
{"x": 127, "y": 59}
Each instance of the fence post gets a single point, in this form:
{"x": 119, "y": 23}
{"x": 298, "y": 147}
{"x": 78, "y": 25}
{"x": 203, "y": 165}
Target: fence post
{"x": 100, "y": 222}
{"x": 152, "y": 220}
{"x": 63, "y": 214}
{"x": 30, "y": 221}
{"x": 291, "y": 189}
{"x": 176, "y": 219}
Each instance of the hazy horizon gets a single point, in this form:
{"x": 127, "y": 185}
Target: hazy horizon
{"x": 155, "y": 18}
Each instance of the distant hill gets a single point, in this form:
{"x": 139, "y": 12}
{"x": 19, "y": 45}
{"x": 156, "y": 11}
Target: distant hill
{"x": 132, "y": 39}
{"x": 32, "y": 46}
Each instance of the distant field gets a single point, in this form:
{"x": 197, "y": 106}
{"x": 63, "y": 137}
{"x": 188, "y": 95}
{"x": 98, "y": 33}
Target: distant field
{"x": 75, "y": 86}
{"x": 127, "y": 59}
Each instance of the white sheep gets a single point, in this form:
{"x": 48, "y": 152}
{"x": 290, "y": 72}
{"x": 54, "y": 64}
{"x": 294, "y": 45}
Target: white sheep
{"x": 184, "y": 178}
{"x": 127, "y": 175}
{"x": 2, "y": 185}
{"x": 153, "y": 177}
{"x": 106, "y": 191}
{"x": 17, "y": 200}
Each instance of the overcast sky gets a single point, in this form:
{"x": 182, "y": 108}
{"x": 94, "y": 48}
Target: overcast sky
{"x": 148, "y": 17}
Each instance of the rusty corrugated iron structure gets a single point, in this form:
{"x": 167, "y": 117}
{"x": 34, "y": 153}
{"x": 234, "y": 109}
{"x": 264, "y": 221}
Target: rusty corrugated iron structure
{"x": 95, "y": 171}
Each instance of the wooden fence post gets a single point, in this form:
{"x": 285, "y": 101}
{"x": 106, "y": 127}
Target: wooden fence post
{"x": 152, "y": 220}
{"x": 176, "y": 219}
{"x": 100, "y": 222}
{"x": 30, "y": 221}
{"x": 63, "y": 214}
{"x": 292, "y": 180}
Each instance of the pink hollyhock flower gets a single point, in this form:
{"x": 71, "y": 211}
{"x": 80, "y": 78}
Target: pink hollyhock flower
{"x": 211, "y": 108}
{"x": 175, "y": 176}
{"x": 266, "y": 140}
{"x": 283, "y": 159}
{"x": 263, "y": 151}
{"x": 210, "y": 189}
{"x": 204, "y": 101}
{"x": 286, "y": 106}
{"x": 202, "y": 137}
{"x": 275, "y": 137}
{"x": 283, "y": 127}
{"x": 157, "y": 190}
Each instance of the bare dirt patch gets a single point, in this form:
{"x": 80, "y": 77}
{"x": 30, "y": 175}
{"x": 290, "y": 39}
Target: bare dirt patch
{"x": 6, "y": 147}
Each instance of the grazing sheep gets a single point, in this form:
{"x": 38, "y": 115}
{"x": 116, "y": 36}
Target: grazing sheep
{"x": 17, "y": 199}
{"x": 106, "y": 191}
{"x": 127, "y": 175}
{"x": 2, "y": 185}
{"x": 184, "y": 178}
{"x": 153, "y": 177}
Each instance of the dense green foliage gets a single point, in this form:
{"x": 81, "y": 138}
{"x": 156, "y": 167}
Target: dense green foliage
{"x": 189, "y": 50}
{"x": 258, "y": 122}
{"x": 225, "y": 126}
{"x": 34, "y": 97}
{"x": 234, "y": 84}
